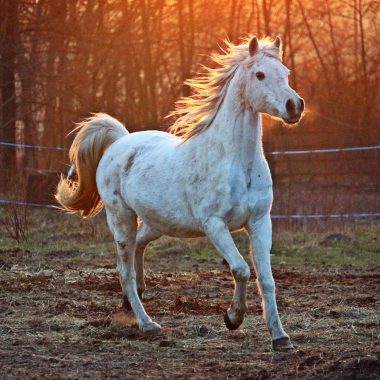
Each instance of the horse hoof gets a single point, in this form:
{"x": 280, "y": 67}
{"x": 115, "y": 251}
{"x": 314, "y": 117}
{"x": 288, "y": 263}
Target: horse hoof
{"x": 151, "y": 328}
{"x": 282, "y": 344}
{"x": 229, "y": 324}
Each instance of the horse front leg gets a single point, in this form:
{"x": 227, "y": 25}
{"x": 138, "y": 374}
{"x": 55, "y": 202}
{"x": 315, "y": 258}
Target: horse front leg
{"x": 260, "y": 234}
{"x": 218, "y": 233}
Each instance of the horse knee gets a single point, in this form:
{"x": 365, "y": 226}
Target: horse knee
{"x": 126, "y": 274}
{"x": 125, "y": 248}
{"x": 241, "y": 272}
{"x": 266, "y": 285}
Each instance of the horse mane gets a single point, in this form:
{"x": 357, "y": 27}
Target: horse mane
{"x": 196, "y": 112}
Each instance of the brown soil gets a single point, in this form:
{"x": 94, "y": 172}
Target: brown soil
{"x": 65, "y": 321}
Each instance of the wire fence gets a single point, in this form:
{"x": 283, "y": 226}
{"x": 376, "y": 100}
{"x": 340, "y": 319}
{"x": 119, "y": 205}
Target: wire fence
{"x": 305, "y": 190}
{"x": 274, "y": 153}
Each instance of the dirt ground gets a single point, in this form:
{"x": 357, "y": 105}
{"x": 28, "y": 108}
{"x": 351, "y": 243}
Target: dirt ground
{"x": 60, "y": 319}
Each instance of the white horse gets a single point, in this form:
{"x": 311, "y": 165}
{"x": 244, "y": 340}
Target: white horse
{"x": 207, "y": 177}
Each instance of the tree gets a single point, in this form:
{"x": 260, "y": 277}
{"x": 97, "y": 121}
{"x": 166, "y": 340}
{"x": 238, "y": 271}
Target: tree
{"x": 9, "y": 10}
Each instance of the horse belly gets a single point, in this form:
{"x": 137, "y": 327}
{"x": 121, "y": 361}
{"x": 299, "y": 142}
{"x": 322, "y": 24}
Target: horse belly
{"x": 169, "y": 223}
{"x": 164, "y": 210}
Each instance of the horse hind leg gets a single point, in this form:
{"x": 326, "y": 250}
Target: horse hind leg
{"x": 123, "y": 224}
{"x": 145, "y": 235}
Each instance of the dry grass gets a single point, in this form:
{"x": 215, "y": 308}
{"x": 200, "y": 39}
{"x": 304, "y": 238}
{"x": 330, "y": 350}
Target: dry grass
{"x": 60, "y": 311}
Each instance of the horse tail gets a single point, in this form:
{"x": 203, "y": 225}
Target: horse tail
{"x": 94, "y": 136}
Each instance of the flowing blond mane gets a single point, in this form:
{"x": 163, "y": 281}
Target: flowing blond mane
{"x": 196, "y": 112}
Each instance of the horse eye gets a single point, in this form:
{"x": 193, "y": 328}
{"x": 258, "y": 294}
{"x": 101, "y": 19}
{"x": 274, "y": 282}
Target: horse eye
{"x": 260, "y": 75}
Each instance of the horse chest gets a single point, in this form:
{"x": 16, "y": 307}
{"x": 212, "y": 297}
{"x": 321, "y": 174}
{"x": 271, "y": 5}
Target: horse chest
{"x": 233, "y": 203}
{"x": 250, "y": 195}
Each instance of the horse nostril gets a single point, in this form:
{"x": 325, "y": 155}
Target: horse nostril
{"x": 290, "y": 107}
{"x": 302, "y": 104}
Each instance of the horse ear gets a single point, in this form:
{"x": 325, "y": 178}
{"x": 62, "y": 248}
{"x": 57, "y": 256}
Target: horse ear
{"x": 253, "y": 46}
{"x": 278, "y": 42}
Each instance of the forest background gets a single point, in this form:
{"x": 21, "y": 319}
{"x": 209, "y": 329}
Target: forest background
{"x": 61, "y": 60}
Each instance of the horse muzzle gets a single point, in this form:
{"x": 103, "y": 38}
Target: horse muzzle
{"x": 294, "y": 110}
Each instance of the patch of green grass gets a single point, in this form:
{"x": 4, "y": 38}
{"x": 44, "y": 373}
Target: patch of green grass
{"x": 357, "y": 247}
{"x": 199, "y": 249}
{"x": 56, "y": 231}
{"x": 361, "y": 248}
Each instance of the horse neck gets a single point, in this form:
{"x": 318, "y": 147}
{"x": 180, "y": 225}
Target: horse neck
{"x": 236, "y": 131}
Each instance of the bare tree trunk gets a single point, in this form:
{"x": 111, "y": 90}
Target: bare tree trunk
{"x": 258, "y": 19}
{"x": 250, "y": 17}
{"x": 28, "y": 77}
{"x": 191, "y": 42}
{"x": 9, "y": 10}
{"x": 267, "y": 13}
{"x": 150, "y": 78}
{"x": 356, "y": 46}
{"x": 231, "y": 23}
{"x": 363, "y": 55}
{"x": 293, "y": 78}
{"x": 185, "y": 42}
{"x": 313, "y": 41}
{"x": 333, "y": 42}
{"x": 181, "y": 46}
{"x": 238, "y": 19}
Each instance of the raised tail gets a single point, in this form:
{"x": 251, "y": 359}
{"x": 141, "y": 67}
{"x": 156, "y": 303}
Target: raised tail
{"x": 94, "y": 136}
